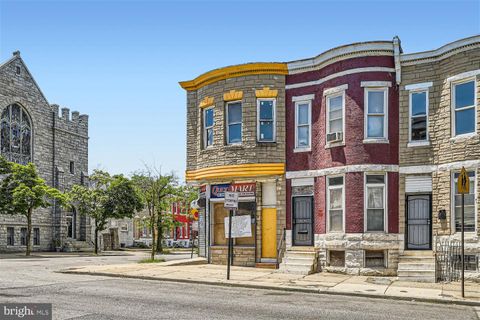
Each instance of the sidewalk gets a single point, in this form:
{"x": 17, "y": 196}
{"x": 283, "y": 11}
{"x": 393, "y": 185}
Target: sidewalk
{"x": 323, "y": 283}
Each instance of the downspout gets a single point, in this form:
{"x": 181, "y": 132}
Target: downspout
{"x": 53, "y": 177}
{"x": 397, "y": 50}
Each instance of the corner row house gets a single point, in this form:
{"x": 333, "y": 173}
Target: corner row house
{"x": 345, "y": 162}
{"x": 32, "y": 130}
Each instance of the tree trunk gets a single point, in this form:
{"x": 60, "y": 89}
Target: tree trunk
{"x": 29, "y": 230}
{"x": 152, "y": 225}
{"x": 159, "y": 234}
{"x": 96, "y": 239}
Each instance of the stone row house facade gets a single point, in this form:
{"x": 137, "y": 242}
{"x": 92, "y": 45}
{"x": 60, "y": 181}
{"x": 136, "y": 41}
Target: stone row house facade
{"x": 345, "y": 162}
{"x": 56, "y": 141}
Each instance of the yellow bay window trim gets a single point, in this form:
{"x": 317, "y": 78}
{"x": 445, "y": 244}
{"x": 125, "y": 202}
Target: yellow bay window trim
{"x": 206, "y": 102}
{"x": 266, "y": 92}
{"x": 233, "y": 95}
{"x": 233, "y": 72}
{"x": 240, "y": 170}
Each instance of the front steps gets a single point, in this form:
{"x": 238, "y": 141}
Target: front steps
{"x": 416, "y": 266}
{"x": 299, "y": 260}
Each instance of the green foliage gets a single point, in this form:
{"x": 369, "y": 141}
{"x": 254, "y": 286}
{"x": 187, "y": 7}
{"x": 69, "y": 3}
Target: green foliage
{"x": 108, "y": 197}
{"x": 22, "y": 191}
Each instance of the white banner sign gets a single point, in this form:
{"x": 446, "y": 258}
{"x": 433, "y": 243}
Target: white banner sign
{"x": 241, "y": 226}
{"x": 195, "y": 225}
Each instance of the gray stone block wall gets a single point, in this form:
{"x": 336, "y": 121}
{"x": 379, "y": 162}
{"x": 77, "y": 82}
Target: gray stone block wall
{"x": 57, "y": 140}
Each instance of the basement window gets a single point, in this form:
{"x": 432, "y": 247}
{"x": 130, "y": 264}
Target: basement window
{"x": 375, "y": 259}
{"x": 336, "y": 258}
{"x": 471, "y": 262}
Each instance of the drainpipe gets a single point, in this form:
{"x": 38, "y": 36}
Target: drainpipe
{"x": 397, "y": 50}
{"x": 53, "y": 175}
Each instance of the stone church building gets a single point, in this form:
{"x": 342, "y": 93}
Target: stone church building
{"x": 56, "y": 141}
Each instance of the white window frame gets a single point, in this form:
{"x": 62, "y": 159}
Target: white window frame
{"x": 328, "y": 201}
{"x": 228, "y": 124}
{"x": 453, "y": 110}
{"x": 411, "y": 117}
{"x": 205, "y": 128}
{"x": 274, "y": 119}
{"x": 383, "y": 139}
{"x": 309, "y": 147}
{"x": 452, "y": 200}
{"x": 385, "y": 200}
{"x": 327, "y": 117}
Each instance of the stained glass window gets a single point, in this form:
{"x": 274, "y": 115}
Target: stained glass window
{"x": 16, "y": 134}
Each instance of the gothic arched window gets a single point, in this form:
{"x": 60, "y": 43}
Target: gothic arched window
{"x": 16, "y": 134}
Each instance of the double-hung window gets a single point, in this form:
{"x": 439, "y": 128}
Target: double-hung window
{"x": 464, "y": 105}
{"x": 10, "y": 236}
{"x": 36, "y": 236}
{"x": 335, "y": 117}
{"x": 266, "y": 120}
{"x": 419, "y": 116}
{"x": 23, "y": 236}
{"x": 303, "y": 123}
{"x": 335, "y": 203}
{"x": 234, "y": 122}
{"x": 376, "y": 113}
{"x": 469, "y": 204}
{"x": 208, "y": 127}
{"x": 375, "y": 204}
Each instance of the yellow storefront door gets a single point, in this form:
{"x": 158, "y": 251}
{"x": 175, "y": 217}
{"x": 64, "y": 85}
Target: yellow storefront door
{"x": 269, "y": 233}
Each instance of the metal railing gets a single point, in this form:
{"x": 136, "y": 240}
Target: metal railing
{"x": 281, "y": 247}
{"x": 447, "y": 260}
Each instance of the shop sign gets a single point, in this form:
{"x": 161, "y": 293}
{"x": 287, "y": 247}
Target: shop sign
{"x": 231, "y": 200}
{"x": 243, "y": 189}
{"x": 203, "y": 191}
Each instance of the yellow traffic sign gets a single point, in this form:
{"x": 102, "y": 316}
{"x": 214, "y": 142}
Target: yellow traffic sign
{"x": 463, "y": 183}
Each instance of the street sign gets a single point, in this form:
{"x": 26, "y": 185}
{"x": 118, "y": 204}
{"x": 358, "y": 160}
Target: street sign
{"x": 231, "y": 200}
{"x": 463, "y": 183}
{"x": 194, "y": 213}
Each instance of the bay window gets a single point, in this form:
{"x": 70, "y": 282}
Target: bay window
{"x": 208, "y": 127}
{"x": 303, "y": 123}
{"x": 335, "y": 203}
{"x": 234, "y": 123}
{"x": 376, "y": 113}
{"x": 418, "y": 116}
{"x": 464, "y": 107}
{"x": 375, "y": 204}
{"x": 266, "y": 120}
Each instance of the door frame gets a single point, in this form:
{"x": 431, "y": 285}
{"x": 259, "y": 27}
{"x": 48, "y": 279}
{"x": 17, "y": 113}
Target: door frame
{"x": 312, "y": 240}
{"x": 430, "y": 216}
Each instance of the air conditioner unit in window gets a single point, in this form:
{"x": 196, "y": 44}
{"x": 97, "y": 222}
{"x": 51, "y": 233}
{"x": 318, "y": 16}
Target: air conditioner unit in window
{"x": 334, "y": 136}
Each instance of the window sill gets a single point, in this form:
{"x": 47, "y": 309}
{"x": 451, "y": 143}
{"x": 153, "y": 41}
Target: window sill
{"x": 375, "y": 140}
{"x": 267, "y": 143}
{"x": 464, "y": 137}
{"x": 236, "y": 146}
{"x": 297, "y": 150}
{"x": 335, "y": 144}
{"x": 414, "y": 144}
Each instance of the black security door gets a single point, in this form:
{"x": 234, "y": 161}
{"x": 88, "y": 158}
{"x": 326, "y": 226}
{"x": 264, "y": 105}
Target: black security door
{"x": 302, "y": 221}
{"x": 419, "y": 231}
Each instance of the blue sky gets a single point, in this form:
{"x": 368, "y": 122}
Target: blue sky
{"x": 120, "y": 61}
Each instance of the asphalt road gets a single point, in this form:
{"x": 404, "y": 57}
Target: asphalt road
{"x": 93, "y": 297}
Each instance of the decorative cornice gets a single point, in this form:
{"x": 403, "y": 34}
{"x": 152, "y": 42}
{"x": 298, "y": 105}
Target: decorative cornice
{"x": 236, "y": 171}
{"x": 206, "y": 102}
{"x": 442, "y": 52}
{"x": 233, "y": 72}
{"x": 233, "y": 95}
{"x": 361, "y": 49}
{"x": 266, "y": 92}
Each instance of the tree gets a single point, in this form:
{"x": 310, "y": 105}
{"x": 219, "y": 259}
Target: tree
{"x": 107, "y": 197}
{"x": 155, "y": 189}
{"x": 23, "y": 191}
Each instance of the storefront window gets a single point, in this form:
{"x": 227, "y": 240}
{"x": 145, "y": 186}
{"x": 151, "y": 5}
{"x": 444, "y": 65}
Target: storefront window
{"x": 219, "y": 215}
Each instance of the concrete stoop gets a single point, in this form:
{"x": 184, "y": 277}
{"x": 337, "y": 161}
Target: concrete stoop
{"x": 77, "y": 246}
{"x": 416, "y": 266}
{"x": 299, "y": 260}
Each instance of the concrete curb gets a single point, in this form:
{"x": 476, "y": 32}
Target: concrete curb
{"x": 288, "y": 289}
